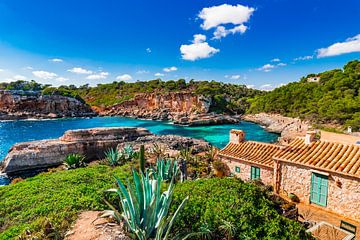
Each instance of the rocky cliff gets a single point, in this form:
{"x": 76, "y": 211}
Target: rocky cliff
{"x": 27, "y": 104}
{"x": 92, "y": 143}
{"x": 167, "y": 106}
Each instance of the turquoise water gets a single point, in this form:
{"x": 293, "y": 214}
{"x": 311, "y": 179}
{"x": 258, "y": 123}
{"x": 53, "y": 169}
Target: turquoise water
{"x": 12, "y": 132}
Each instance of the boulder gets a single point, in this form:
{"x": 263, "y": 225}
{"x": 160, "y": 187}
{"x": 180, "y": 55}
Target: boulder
{"x": 92, "y": 143}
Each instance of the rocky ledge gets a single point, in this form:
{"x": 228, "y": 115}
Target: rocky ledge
{"x": 289, "y": 128}
{"x": 206, "y": 119}
{"x": 40, "y": 155}
{"x": 28, "y": 104}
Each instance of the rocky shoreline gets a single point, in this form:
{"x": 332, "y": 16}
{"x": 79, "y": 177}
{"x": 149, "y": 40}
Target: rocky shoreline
{"x": 289, "y": 128}
{"x": 92, "y": 143}
{"x": 15, "y": 105}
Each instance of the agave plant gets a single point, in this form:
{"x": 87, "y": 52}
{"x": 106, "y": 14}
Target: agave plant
{"x": 127, "y": 153}
{"x": 144, "y": 208}
{"x": 74, "y": 160}
{"x": 167, "y": 170}
{"x": 112, "y": 156}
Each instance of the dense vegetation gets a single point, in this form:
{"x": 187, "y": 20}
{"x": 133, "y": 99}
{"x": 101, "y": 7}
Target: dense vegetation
{"x": 232, "y": 209}
{"x": 334, "y": 99}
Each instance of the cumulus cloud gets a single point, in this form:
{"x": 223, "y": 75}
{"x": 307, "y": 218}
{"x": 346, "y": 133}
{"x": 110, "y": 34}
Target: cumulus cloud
{"x": 198, "y": 49}
{"x": 44, "y": 74}
{"x": 281, "y": 64}
{"x": 56, "y": 60}
{"x": 225, "y": 14}
{"x": 15, "y": 78}
{"x": 266, "y": 68}
{"x": 250, "y": 86}
{"x": 170, "y": 69}
{"x": 304, "y": 58}
{"x": 349, "y": 46}
{"x": 124, "y": 77}
{"x": 275, "y": 60}
{"x": 221, "y": 31}
{"x": 266, "y": 87}
{"x": 79, "y": 70}
{"x": 234, "y": 77}
{"x": 61, "y": 79}
{"x": 97, "y": 76}
{"x": 148, "y": 50}
{"x": 159, "y": 74}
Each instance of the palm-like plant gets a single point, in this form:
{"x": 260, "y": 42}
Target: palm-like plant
{"x": 167, "y": 170}
{"x": 112, "y": 156}
{"x": 74, "y": 160}
{"x": 145, "y": 208}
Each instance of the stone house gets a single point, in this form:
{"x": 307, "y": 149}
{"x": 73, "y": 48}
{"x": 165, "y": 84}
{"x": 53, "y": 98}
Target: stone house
{"x": 249, "y": 160}
{"x": 321, "y": 173}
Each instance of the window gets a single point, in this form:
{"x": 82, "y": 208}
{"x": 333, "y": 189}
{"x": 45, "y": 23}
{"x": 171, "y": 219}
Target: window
{"x": 237, "y": 169}
{"x": 319, "y": 189}
{"x": 255, "y": 173}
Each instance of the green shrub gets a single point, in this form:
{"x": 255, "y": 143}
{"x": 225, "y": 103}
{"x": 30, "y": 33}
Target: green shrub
{"x": 112, "y": 157}
{"x": 74, "y": 160}
{"x": 229, "y": 206}
{"x": 55, "y": 198}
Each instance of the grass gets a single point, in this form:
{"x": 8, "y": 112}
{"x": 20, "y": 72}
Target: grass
{"x": 54, "y": 198}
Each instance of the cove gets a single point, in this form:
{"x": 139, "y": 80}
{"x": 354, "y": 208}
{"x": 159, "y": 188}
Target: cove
{"x": 12, "y": 132}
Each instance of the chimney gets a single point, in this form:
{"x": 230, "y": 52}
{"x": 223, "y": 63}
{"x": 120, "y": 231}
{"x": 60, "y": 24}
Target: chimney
{"x": 310, "y": 137}
{"x": 237, "y": 136}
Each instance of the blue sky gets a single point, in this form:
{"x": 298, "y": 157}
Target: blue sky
{"x": 260, "y": 43}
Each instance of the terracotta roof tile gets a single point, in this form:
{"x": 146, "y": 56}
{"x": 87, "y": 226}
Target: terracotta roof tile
{"x": 253, "y": 152}
{"x": 323, "y": 155}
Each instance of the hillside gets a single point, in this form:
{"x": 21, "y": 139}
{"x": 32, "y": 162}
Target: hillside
{"x": 333, "y": 98}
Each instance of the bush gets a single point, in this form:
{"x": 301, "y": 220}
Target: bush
{"x": 74, "y": 160}
{"x": 229, "y": 203}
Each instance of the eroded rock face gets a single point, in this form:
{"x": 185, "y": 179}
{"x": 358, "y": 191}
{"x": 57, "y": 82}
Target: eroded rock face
{"x": 159, "y": 106}
{"x": 28, "y": 104}
{"x": 92, "y": 143}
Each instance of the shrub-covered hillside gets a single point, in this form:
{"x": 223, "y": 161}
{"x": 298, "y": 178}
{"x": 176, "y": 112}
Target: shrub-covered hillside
{"x": 334, "y": 99}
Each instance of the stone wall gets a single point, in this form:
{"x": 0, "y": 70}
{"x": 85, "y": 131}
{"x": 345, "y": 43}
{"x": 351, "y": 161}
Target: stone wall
{"x": 343, "y": 191}
{"x": 266, "y": 173}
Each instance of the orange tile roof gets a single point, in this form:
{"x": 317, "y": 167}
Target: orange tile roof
{"x": 249, "y": 151}
{"x": 323, "y": 155}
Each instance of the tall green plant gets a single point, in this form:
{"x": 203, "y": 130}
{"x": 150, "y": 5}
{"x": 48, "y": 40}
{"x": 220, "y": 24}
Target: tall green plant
{"x": 112, "y": 156}
{"x": 74, "y": 160}
{"x": 145, "y": 208}
{"x": 166, "y": 169}
{"x": 142, "y": 158}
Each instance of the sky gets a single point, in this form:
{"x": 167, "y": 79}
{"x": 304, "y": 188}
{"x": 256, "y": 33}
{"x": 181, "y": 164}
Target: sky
{"x": 260, "y": 43}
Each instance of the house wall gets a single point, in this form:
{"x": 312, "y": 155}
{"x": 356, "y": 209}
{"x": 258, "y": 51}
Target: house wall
{"x": 266, "y": 174}
{"x": 343, "y": 197}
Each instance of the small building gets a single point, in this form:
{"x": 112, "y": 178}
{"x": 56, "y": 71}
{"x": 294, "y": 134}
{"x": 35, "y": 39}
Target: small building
{"x": 321, "y": 173}
{"x": 249, "y": 160}
{"x": 326, "y": 174}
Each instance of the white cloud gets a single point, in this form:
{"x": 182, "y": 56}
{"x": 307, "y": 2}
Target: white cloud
{"x": 19, "y": 77}
{"x": 170, "y": 69}
{"x": 266, "y": 87}
{"x": 304, "y": 58}
{"x": 234, "y": 77}
{"x": 61, "y": 79}
{"x": 225, "y": 14}
{"x": 221, "y": 31}
{"x": 44, "y": 74}
{"x": 266, "y": 68}
{"x": 250, "y": 86}
{"x": 79, "y": 70}
{"x": 159, "y": 74}
{"x": 198, "y": 49}
{"x": 97, "y": 76}
{"x": 142, "y": 72}
{"x": 124, "y": 77}
{"x": 56, "y": 60}
{"x": 28, "y": 68}
{"x": 349, "y": 46}
{"x": 281, "y": 64}
{"x": 1, "y": 70}
{"x": 275, "y": 60}
{"x": 148, "y": 50}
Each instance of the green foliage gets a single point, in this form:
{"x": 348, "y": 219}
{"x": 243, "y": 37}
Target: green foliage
{"x": 228, "y": 206}
{"x": 112, "y": 157}
{"x": 334, "y": 99}
{"x": 54, "y": 198}
{"x": 22, "y": 85}
{"x": 142, "y": 158}
{"x": 144, "y": 207}
{"x": 118, "y": 158}
{"x": 74, "y": 160}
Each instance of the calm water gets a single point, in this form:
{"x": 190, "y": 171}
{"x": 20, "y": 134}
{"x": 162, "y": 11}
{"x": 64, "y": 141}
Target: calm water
{"x": 20, "y": 131}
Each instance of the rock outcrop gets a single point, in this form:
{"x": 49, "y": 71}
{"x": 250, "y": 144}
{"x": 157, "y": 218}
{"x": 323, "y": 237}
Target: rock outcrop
{"x": 289, "y": 128}
{"x": 160, "y": 106}
{"x": 39, "y": 155}
{"x": 92, "y": 143}
{"x": 206, "y": 119}
{"x": 28, "y": 104}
